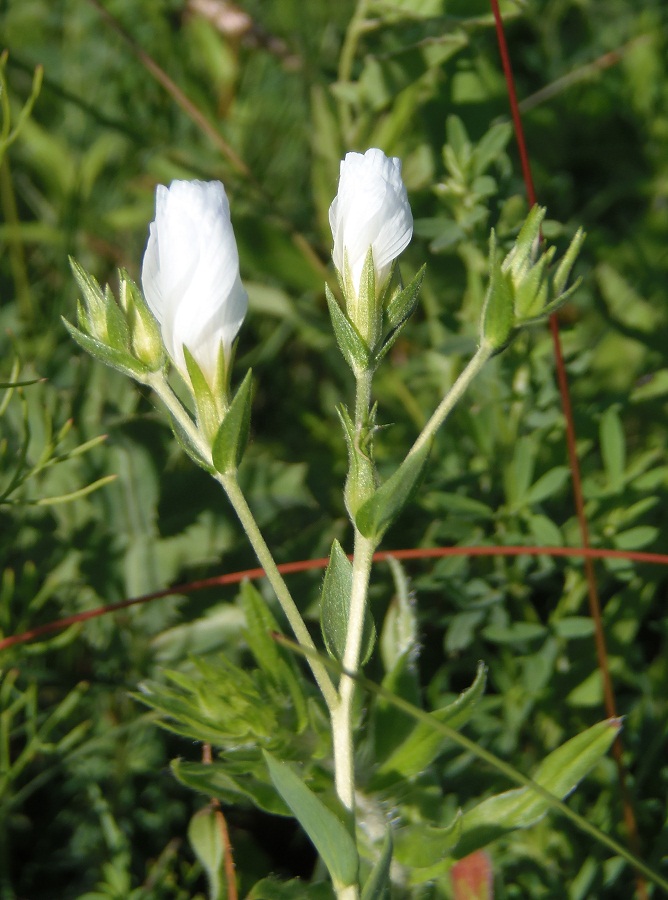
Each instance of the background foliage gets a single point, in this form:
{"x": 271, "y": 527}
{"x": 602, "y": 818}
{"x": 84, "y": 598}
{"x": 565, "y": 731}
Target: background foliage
{"x": 87, "y": 804}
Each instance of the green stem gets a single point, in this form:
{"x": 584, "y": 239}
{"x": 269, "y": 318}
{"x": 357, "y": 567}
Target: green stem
{"x": 266, "y": 560}
{"x": 235, "y": 495}
{"x": 445, "y": 407}
{"x": 342, "y": 731}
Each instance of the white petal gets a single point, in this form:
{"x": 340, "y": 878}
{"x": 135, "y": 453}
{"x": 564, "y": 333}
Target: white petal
{"x": 371, "y": 209}
{"x": 190, "y": 272}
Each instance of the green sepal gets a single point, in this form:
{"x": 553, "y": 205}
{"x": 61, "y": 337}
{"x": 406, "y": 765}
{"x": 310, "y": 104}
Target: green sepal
{"x": 117, "y": 359}
{"x": 520, "y": 258}
{"x": 335, "y": 608}
{"x": 208, "y": 411}
{"x": 94, "y": 318}
{"x": 564, "y": 268}
{"x": 231, "y": 438}
{"x": 532, "y": 291}
{"x": 402, "y": 304}
{"x": 423, "y": 744}
{"x": 118, "y": 332}
{"x": 559, "y": 773}
{"x": 375, "y": 516}
{"x": 351, "y": 344}
{"x": 364, "y": 311}
{"x": 498, "y": 313}
{"x": 399, "y": 310}
{"x": 555, "y": 304}
{"x": 206, "y": 840}
{"x": 329, "y": 835}
{"x": 145, "y": 334}
{"x": 377, "y": 885}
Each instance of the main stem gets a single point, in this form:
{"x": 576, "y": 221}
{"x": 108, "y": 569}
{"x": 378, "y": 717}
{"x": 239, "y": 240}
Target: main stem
{"x": 342, "y": 730}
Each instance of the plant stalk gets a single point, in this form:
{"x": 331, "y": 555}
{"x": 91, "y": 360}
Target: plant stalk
{"x": 236, "y": 497}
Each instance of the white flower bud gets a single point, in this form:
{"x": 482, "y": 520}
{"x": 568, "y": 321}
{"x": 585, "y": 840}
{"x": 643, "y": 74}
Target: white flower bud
{"x": 371, "y": 210}
{"x": 190, "y": 274}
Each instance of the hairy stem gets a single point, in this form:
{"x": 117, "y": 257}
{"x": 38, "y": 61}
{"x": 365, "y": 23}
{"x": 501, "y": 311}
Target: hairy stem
{"x": 235, "y": 495}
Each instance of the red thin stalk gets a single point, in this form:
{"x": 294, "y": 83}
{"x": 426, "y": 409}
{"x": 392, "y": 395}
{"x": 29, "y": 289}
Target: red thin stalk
{"x": 592, "y": 587}
{"x": 305, "y": 565}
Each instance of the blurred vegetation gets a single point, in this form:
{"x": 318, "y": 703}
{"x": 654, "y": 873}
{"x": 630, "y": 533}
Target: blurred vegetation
{"x": 88, "y": 806}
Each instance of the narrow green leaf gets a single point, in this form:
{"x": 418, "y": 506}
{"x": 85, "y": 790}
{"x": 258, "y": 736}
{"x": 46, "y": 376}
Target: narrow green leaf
{"x": 232, "y": 436}
{"x": 206, "y": 840}
{"x": 335, "y": 607}
{"x": 376, "y": 515}
{"x": 213, "y": 781}
{"x": 273, "y": 889}
{"x": 559, "y": 773}
{"x": 329, "y": 835}
{"x": 613, "y": 448}
{"x": 352, "y": 346}
{"x": 424, "y": 743}
{"x": 377, "y": 885}
{"x": 403, "y": 303}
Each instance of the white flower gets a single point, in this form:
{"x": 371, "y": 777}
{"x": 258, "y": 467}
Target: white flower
{"x": 371, "y": 209}
{"x": 190, "y": 273}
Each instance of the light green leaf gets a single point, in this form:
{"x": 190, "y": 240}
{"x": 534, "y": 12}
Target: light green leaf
{"x": 213, "y": 780}
{"x": 335, "y": 607}
{"x": 206, "y": 840}
{"x": 377, "y": 885}
{"x": 273, "y": 889}
{"x": 613, "y": 448}
{"x": 424, "y": 743}
{"x": 232, "y": 436}
{"x": 559, "y": 773}
{"x": 423, "y": 845}
{"x": 376, "y": 515}
{"x": 329, "y": 835}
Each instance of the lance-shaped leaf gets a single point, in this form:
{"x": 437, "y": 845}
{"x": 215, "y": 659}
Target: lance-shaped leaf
{"x": 424, "y": 743}
{"x": 377, "y": 885}
{"x": 559, "y": 773}
{"x": 206, "y": 840}
{"x": 232, "y": 435}
{"x": 375, "y": 515}
{"x": 422, "y": 845}
{"x": 329, "y": 835}
{"x": 335, "y": 608}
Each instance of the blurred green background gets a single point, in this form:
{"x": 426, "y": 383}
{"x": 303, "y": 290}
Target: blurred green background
{"x": 88, "y": 807}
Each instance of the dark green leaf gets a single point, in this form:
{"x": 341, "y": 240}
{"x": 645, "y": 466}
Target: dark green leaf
{"x": 376, "y": 515}
{"x": 329, "y": 835}
{"x": 335, "y": 608}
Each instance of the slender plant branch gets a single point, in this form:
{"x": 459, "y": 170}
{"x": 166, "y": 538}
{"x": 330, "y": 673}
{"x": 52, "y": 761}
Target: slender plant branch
{"x": 235, "y": 495}
{"x": 266, "y": 560}
{"x": 445, "y": 407}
